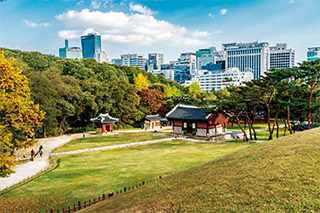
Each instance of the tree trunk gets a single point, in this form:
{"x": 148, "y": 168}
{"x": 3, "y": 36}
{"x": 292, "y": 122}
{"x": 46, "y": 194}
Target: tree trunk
{"x": 239, "y": 124}
{"x": 249, "y": 122}
{"x": 277, "y": 128}
{"x": 61, "y": 125}
{"x": 288, "y": 119}
{"x": 285, "y": 127}
{"x": 310, "y": 104}
{"x": 44, "y": 132}
{"x": 274, "y": 122}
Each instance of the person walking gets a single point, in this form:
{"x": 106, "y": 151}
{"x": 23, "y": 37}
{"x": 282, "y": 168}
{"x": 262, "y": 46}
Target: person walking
{"x": 32, "y": 155}
{"x": 40, "y": 150}
{"x": 84, "y": 135}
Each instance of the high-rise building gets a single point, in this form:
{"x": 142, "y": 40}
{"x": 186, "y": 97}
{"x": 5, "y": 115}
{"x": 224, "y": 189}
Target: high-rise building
{"x": 281, "y": 57}
{"x": 224, "y": 78}
{"x": 185, "y": 67}
{"x": 202, "y": 52}
{"x": 134, "y": 60}
{"x": 91, "y": 47}
{"x": 117, "y": 61}
{"x": 252, "y": 55}
{"x": 313, "y": 53}
{"x": 155, "y": 61}
{"x": 70, "y": 52}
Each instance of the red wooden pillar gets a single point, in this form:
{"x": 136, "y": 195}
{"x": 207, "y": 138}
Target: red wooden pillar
{"x": 104, "y": 128}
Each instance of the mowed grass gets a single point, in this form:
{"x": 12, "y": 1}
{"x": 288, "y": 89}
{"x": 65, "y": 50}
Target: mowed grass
{"x": 108, "y": 140}
{"x": 255, "y": 126}
{"x": 85, "y": 176}
{"x": 277, "y": 176}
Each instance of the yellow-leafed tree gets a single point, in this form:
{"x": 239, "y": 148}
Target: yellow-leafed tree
{"x": 18, "y": 114}
{"x": 141, "y": 82}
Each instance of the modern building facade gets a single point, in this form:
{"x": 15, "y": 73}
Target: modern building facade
{"x": 281, "y": 57}
{"x": 313, "y": 53}
{"x": 185, "y": 67}
{"x": 155, "y": 60}
{"x": 116, "y": 61}
{"x": 134, "y": 60}
{"x": 206, "y": 54}
{"x": 254, "y": 55}
{"x": 219, "y": 80}
{"x": 91, "y": 47}
{"x": 70, "y": 52}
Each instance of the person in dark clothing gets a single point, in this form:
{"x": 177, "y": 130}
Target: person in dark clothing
{"x": 41, "y": 150}
{"x": 32, "y": 155}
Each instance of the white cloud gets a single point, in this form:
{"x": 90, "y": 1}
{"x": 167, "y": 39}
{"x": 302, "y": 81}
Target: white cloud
{"x": 217, "y": 31}
{"x": 80, "y": 2}
{"x": 141, "y": 9}
{"x": 69, "y": 34}
{"x": 290, "y": 2}
{"x": 197, "y": 34}
{"x": 95, "y": 4}
{"x": 210, "y": 15}
{"x": 33, "y": 24}
{"x": 223, "y": 11}
{"x": 121, "y": 28}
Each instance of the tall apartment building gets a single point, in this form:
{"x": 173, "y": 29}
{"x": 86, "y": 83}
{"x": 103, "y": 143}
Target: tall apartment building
{"x": 134, "y": 60}
{"x": 281, "y": 57}
{"x": 70, "y": 52}
{"x": 185, "y": 67}
{"x": 91, "y": 47}
{"x": 155, "y": 60}
{"x": 313, "y": 53}
{"x": 254, "y": 55}
{"x": 222, "y": 79}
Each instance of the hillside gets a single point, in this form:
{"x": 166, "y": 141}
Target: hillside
{"x": 277, "y": 176}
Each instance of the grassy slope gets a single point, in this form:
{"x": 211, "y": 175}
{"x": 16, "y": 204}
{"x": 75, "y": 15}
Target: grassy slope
{"x": 88, "y": 175}
{"x": 108, "y": 140}
{"x": 277, "y": 176}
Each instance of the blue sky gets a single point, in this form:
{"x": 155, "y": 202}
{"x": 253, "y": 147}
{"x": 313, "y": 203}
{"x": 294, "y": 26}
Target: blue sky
{"x": 164, "y": 26}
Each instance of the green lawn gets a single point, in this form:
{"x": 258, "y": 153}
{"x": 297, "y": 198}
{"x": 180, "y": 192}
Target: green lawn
{"x": 276, "y": 176}
{"x": 256, "y": 126}
{"x": 108, "y": 140}
{"x": 88, "y": 175}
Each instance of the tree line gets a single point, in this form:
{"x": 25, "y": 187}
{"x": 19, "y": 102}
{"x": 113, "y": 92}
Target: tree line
{"x": 291, "y": 94}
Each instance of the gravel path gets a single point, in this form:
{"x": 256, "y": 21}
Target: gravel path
{"x": 31, "y": 168}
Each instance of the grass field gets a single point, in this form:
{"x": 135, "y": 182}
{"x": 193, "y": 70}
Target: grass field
{"x": 277, "y": 176}
{"x": 108, "y": 140}
{"x": 88, "y": 175}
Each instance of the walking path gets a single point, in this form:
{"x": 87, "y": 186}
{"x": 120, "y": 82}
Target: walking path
{"x": 25, "y": 170}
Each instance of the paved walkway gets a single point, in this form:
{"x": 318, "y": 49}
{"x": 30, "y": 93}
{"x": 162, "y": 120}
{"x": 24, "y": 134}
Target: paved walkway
{"x": 31, "y": 168}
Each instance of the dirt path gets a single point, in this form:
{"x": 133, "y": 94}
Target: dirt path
{"x": 31, "y": 168}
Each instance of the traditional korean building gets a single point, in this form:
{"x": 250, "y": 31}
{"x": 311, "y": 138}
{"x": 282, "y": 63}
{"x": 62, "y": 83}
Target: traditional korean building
{"x": 303, "y": 127}
{"x": 192, "y": 120}
{"x": 152, "y": 121}
{"x": 104, "y": 123}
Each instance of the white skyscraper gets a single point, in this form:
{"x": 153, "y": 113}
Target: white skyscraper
{"x": 252, "y": 55}
{"x": 281, "y": 57}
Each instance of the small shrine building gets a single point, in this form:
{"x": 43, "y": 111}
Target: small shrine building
{"x": 196, "y": 121}
{"x": 104, "y": 123}
{"x": 152, "y": 121}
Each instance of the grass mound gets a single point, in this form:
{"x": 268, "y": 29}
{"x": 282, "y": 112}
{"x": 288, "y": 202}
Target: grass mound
{"x": 277, "y": 176}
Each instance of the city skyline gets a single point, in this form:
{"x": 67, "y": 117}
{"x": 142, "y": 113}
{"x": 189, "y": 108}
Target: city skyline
{"x": 167, "y": 27}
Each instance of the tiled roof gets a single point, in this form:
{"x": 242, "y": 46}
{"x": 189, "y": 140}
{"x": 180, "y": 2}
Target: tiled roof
{"x": 189, "y": 112}
{"x": 104, "y": 119}
{"x": 153, "y": 117}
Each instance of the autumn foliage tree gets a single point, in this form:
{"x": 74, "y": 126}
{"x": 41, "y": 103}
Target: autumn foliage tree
{"x": 18, "y": 114}
{"x": 151, "y": 99}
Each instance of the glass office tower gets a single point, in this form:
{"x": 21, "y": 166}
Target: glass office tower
{"x": 91, "y": 44}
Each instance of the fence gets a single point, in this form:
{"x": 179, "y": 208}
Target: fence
{"x": 80, "y": 206}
